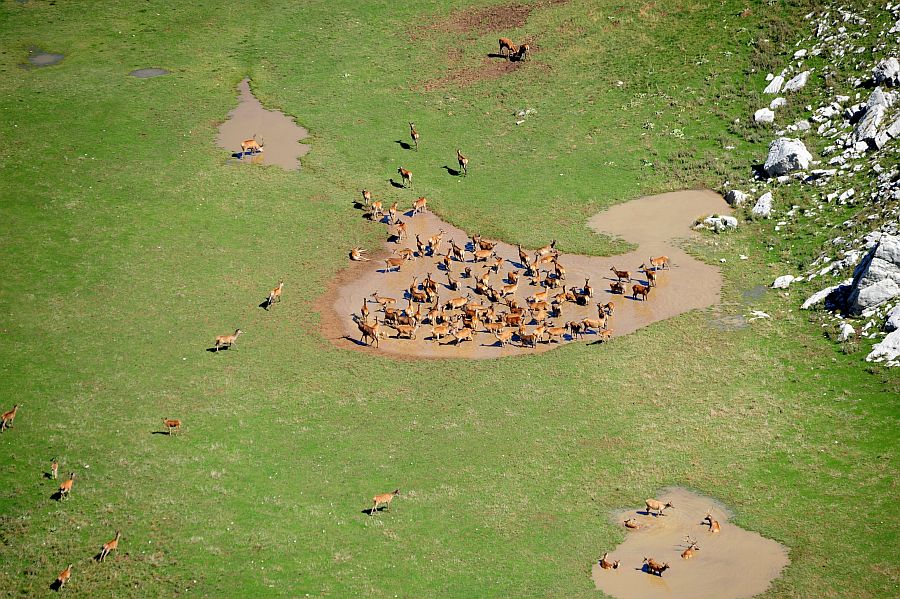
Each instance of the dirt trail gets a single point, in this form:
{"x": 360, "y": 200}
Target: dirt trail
{"x": 731, "y": 564}
{"x": 656, "y": 223}
{"x": 278, "y": 132}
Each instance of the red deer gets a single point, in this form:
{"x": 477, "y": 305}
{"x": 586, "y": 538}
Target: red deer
{"x": 414, "y": 135}
{"x": 54, "y": 469}
{"x": 6, "y": 421}
{"x": 606, "y": 564}
{"x": 508, "y": 45}
{"x": 406, "y": 330}
{"x": 632, "y": 524}
{"x": 64, "y": 577}
{"x": 452, "y": 282}
{"x": 547, "y": 249}
{"x": 522, "y": 54}
{"x": 173, "y": 425}
{"x": 482, "y": 255}
{"x": 459, "y": 253}
{"x": 377, "y": 210}
{"x": 692, "y": 547}
{"x": 463, "y": 334}
{"x": 654, "y": 567}
{"x": 555, "y": 333}
{"x": 401, "y": 232}
{"x": 658, "y": 506}
{"x": 364, "y": 312}
{"x": 607, "y": 307}
{"x": 575, "y": 329}
{"x": 109, "y": 546}
{"x": 395, "y": 262}
{"x": 384, "y": 498}
{"x": 641, "y": 290}
{"x": 384, "y": 301}
{"x": 392, "y": 212}
{"x": 405, "y": 175}
{"x": 420, "y": 205}
{"x": 367, "y": 197}
{"x": 463, "y": 162}
{"x": 617, "y": 287}
{"x": 659, "y": 262}
{"x": 622, "y": 274}
{"x": 275, "y": 294}
{"x": 369, "y": 331}
{"x": 560, "y": 271}
{"x": 713, "y": 524}
{"x": 527, "y": 339}
{"x": 434, "y": 242}
{"x": 251, "y": 146}
{"x": 440, "y": 331}
{"x": 504, "y": 337}
{"x": 227, "y": 340}
{"x": 458, "y": 302}
{"x": 651, "y": 275}
{"x": 358, "y": 255}
{"x": 66, "y": 487}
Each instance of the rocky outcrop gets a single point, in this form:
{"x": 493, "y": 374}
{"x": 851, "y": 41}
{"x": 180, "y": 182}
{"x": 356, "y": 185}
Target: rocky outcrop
{"x": 763, "y": 115}
{"x": 786, "y": 155}
{"x": 876, "y": 279}
{"x": 796, "y": 83}
{"x": 887, "y": 72}
{"x": 736, "y": 198}
{"x": 763, "y": 207}
{"x": 774, "y": 85}
{"x": 887, "y": 350}
{"x": 783, "y": 282}
{"x": 719, "y": 223}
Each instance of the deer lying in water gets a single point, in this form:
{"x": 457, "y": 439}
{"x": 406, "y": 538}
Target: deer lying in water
{"x": 405, "y": 176}
{"x": 173, "y": 425}
{"x": 275, "y": 294}
{"x": 6, "y": 421}
{"x": 227, "y": 340}
{"x": 692, "y": 547}
{"x": 358, "y": 255}
{"x": 606, "y": 564}
{"x": 632, "y": 524}
{"x": 642, "y": 290}
{"x": 654, "y": 567}
{"x": 414, "y": 135}
{"x": 617, "y": 287}
{"x": 384, "y": 498}
{"x": 384, "y": 301}
{"x": 713, "y": 524}
{"x": 622, "y": 275}
{"x": 109, "y": 546}
{"x": 463, "y": 162}
{"x": 251, "y": 146}
{"x": 658, "y": 506}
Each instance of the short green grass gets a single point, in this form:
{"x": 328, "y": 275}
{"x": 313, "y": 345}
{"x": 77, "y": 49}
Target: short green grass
{"x": 128, "y": 244}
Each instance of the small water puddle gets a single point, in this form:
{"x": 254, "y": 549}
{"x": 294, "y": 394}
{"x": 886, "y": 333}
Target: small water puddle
{"x": 276, "y": 132}
{"x": 38, "y": 58}
{"x": 751, "y": 295}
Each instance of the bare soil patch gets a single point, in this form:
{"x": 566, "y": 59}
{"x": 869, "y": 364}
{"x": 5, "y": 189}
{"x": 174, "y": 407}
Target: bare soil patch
{"x": 655, "y": 223}
{"x": 489, "y": 70}
{"x": 731, "y": 564}
{"x": 148, "y": 73}
{"x": 485, "y": 20}
{"x": 278, "y": 133}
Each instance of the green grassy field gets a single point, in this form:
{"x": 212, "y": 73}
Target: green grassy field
{"x": 128, "y": 243}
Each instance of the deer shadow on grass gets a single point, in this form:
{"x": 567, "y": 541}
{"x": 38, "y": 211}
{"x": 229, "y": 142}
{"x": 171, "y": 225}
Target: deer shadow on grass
{"x": 495, "y": 55}
{"x": 167, "y": 433}
{"x": 55, "y": 585}
{"x": 403, "y": 144}
{"x": 369, "y": 511}
{"x": 57, "y": 496}
{"x": 358, "y": 342}
{"x": 397, "y": 185}
{"x": 216, "y": 350}
{"x": 452, "y": 171}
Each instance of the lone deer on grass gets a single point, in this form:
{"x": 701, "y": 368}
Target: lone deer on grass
{"x": 367, "y": 197}
{"x": 654, "y": 567}
{"x": 54, "y": 469}
{"x": 109, "y": 546}
{"x": 66, "y": 487}
{"x": 227, "y": 340}
{"x": 251, "y": 146}
{"x": 173, "y": 425}
{"x": 6, "y": 421}
{"x": 713, "y": 524}
{"x": 606, "y": 564}
{"x": 405, "y": 176}
{"x": 463, "y": 162}
{"x": 384, "y": 498}
{"x": 275, "y": 294}
{"x": 414, "y": 135}
{"x": 64, "y": 577}
{"x": 657, "y": 506}
{"x": 692, "y": 547}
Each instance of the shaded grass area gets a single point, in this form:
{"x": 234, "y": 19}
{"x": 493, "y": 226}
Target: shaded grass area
{"x": 128, "y": 244}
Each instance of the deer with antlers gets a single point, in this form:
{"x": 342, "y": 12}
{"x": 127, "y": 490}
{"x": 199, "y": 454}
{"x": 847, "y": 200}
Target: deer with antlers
{"x": 692, "y": 546}
{"x": 713, "y": 524}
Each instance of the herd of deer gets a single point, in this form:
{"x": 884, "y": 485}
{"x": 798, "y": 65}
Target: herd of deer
{"x": 650, "y": 565}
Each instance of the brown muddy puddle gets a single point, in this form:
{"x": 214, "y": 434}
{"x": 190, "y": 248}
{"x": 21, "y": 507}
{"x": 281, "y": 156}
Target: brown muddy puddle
{"x": 148, "y": 73}
{"x": 39, "y": 58}
{"x": 731, "y": 564}
{"x": 276, "y": 132}
{"x": 655, "y": 223}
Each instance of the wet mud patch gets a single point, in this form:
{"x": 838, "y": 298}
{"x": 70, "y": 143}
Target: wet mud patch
{"x": 278, "y": 134}
{"x": 38, "y": 58}
{"x": 727, "y": 322}
{"x": 656, "y": 224}
{"x": 148, "y": 73}
{"x": 731, "y": 564}
{"x": 753, "y": 294}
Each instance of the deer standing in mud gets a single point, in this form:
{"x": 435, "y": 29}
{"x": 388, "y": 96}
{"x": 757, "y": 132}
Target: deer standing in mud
{"x": 622, "y": 275}
{"x": 651, "y": 275}
{"x": 659, "y": 262}
{"x": 251, "y": 146}
{"x": 657, "y": 506}
{"x": 640, "y": 290}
